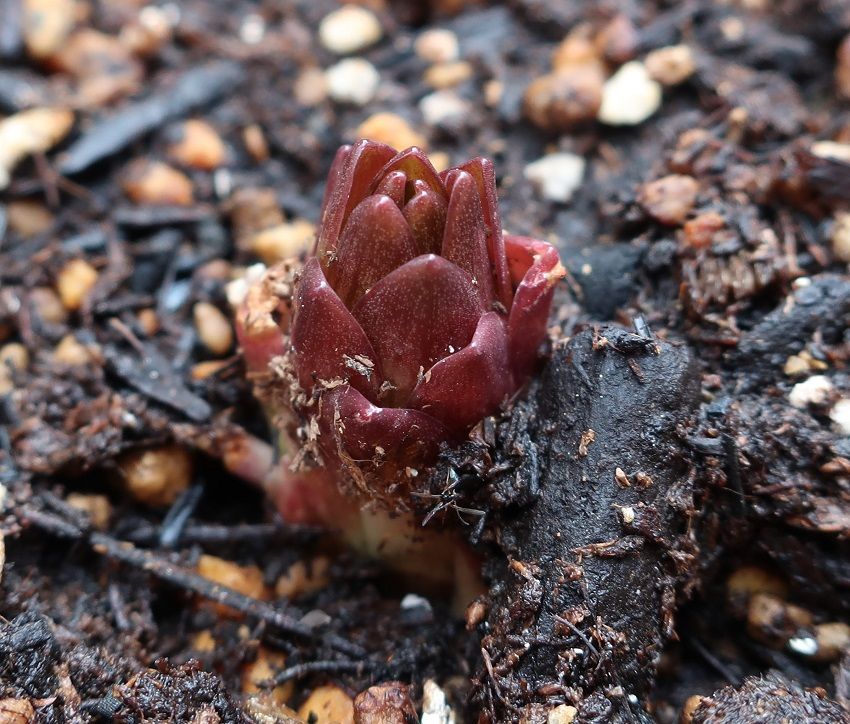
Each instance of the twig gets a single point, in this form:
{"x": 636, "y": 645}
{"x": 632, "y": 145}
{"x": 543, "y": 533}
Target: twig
{"x": 299, "y": 671}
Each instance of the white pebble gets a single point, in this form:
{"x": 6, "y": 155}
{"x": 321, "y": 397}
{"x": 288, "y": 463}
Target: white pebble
{"x": 840, "y": 236}
{"x": 813, "y": 391}
{"x": 832, "y": 150}
{"x": 557, "y": 175}
{"x": 253, "y": 29}
{"x": 442, "y": 107}
{"x": 353, "y": 80}
{"x": 630, "y": 96}
{"x": 349, "y": 29}
{"x": 840, "y": 415}
{"x": 435, "y": 709}
{"x": 437, "y": 46}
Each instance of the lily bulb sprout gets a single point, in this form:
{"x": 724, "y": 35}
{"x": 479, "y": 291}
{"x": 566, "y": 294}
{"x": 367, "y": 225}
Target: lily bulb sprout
{"x": 414, "y": 318}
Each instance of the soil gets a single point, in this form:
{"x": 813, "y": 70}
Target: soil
{"x": 664, "y": 514}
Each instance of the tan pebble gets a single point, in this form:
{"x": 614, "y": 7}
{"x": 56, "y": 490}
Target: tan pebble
{"x": 437, "y": 46}
{"x": 255, "y": 142}
{"x": 74, "y": 282}
{"x": 198, "y": 145}
{"x": 629, "y": 96}
{"x": 157, "y": 183}
{"x": 563, "y": 714}
{"x": 149, "y": 32}
{"x": 16, "y": 711}
{"x": 216, "y": 269}
{"x": 840, "y": 236}
{"x": 247, "y": 580}
{"x": 46, "y": 25}
{"x": 311, "y": 87}
{"x": 203, "y": 370}
{"x": 48, "y": 305}
{"x": 148, "y": 321}
{"x": 71, "y": 352}
{"x": 833, "y": 640}
{"x": 28, "y": 218}
{"x": 349, "y": 29}
{"x": 559, "y": 101}
{"x": 746, "y": 581}
{"x": 672, "y": 65}
{"x": 104, "y": 67}
{"x": 284, "y": 241}
{"x": 13, "y": 356}
{"x": 842, "y": 68}
{"x": 301, "y": 579}
{"x": 448, "y": 75}
{"x": 391, "y": 129}
{"x": 699, "y": 232}
{"x": 214, "y": 329}
{"x": 385, "y": 703}
{"x": 265, "y": 710}
{"x": 204, "y": 642}
{"x": 476, "y": 611}
{"x": 670, "y": 198}
{"x": 576, "y": 50}
{"x": 493, "y": 92}
{"x": 796, "y": 365}
{"x": 774, "y": 621}
{"x": 96, "y": 507}
{"x": 691, "y": 705}
{"x": 156, "y": 476}
{"x": 328, "y": 705}
{"x": 34, "y": 131}
{"x": 253, "y": 210}
{"x": 617, "y": 42}
{"x": 262, "y": 669}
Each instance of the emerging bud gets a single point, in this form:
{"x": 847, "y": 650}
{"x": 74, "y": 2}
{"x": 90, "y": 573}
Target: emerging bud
{"x": 413, "y": 319}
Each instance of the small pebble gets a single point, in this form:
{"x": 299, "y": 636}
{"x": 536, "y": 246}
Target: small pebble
{"x": 842, "y": 68}
{"x": 46, "y": 25}
{"x": 156, "y": 476}
{"x": 198, "y": 146}
{"x": 214, "y": 329}
{"x": 558, "y": 101}
{"x": 328, "y": 705}
{"x": 33, "y": 131}
{"x": 563, "y": 714}
{"x": 74, "y": 282}
{"x": 48, "y": 305}
{"x": 283, "y": 241}
{"x": 247, "y": 580}
{"x": 71, "y": 352}
{"x": 255, "y": 143}
{"x": 813, "y": 391}
{"x": 13, "y": 356}
{"x": 690, "y": 706}
{"x": 148, "y": 321}
{"x": 262, "y": 669}
{"x": 670, "y": 198}
{"x": 435, "y": 707}
{"x": 448, "y": 75}
{"x": 699, "y": 232}
{"x": 444, "y": 106}
{"x": 28, "y": 218}
{"x": 96, "y": 507}
{"x": 437, "y": 46}
{"x": 840, "y": 416}
{"x": 385, "y": 703}
{"x": 349, "y": 29}
{"x": 746, "y": 581}
{"x": 157, "y": 183}
{"x": 15, "y": 711}
{"x": 672, "y": 65}
{"x": 353, "y": 80}
{"x": 617, "y": 42}
{"x": 833, "y": 640}
{"x": 833, "y": 150}
{"x": 148, "y": 33}
{"x": 576, "y": 50}
{"x": 311, "y": 87}
{"x": 840, "y": 236}
{"x": 391, "y": 129}
{"x": 629, "y": 96}
{"x": 556, "y": 176}
{"x": 301, "y": 578}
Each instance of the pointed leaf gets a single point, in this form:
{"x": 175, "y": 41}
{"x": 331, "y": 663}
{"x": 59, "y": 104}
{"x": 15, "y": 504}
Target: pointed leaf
{"x": 394, "y": 185}
{"x": 327, "y": 342}
{"x": 465, "y": 236}
{"x": 465, "y": 387}
{"x": 351, "y": 185}
{"x": 376, "y": 240}
{"x": 417, "y": 315}
{"x": 529, "y": 317}
{"x": 481, "y": 169}
{"x": 353, "y": 429}
{"x": 426, "y": 215}
{"x": 415, "y": 165}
